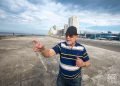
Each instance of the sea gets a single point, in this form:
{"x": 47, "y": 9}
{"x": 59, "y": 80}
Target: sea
{"x": 18, "y": 34}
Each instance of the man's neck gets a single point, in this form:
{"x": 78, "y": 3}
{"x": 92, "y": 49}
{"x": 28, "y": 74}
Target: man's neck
{"x": 72, "y": 45}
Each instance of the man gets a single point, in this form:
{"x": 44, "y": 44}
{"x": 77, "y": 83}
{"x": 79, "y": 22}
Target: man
{"x": 73, "y": 57}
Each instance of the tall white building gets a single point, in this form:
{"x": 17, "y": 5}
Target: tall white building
{"x": 65, "y": 28}
{"x": 74, "y": 21}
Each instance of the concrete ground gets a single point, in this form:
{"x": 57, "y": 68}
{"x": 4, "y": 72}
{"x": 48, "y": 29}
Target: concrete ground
{"x": 105, "y": 44}
{"x": 20, "y": 66}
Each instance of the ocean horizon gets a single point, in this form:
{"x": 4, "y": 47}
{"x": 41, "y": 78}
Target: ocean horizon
{"x": 17, "y": 34}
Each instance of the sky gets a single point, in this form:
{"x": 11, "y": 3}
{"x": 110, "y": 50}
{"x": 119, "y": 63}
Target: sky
{"x": 38, "y": 16}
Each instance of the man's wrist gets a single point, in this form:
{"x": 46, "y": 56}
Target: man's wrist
{"x": 42, "y": 49}
{"x": 84, "y": 64}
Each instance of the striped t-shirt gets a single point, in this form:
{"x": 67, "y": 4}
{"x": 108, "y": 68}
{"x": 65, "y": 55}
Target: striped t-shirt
{"x": 68, "y": 68}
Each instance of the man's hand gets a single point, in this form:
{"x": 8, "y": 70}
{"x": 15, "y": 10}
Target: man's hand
{"x": 37, "y": 46}
{"x": 79, "y": 62}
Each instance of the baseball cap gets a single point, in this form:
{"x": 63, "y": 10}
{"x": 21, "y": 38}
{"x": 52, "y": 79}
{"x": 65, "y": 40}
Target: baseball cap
{"x": 71, "y": 31}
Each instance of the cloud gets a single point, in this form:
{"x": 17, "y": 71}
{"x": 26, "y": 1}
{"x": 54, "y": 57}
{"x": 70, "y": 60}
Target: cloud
{"x": 56, "y": 13}
{"x": 36, "y": 1}
{"x": 42, "y": 14}
{"x": 39, "y": 2}
{"x": 104, "y": 6}
{"x": 2, "y": 14}
{"x": 102, "y": 19}
{"x": 13, "y": 6}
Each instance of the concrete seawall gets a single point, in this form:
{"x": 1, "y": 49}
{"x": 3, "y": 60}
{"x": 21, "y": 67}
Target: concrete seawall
{"x": 20, "y": 66}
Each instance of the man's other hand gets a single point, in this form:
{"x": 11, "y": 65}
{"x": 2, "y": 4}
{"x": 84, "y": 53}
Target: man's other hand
{"x": 79, "y": 62}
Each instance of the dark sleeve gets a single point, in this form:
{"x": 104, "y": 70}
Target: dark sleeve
{"x": 57, "y": 48}
{"x": 85, "y": 55}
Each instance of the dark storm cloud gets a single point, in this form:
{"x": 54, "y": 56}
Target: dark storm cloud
{"x": 107, "y": 6}
{"x": 36, "y": 1}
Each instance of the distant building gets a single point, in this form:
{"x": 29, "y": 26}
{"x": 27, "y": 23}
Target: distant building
{"x": 101, "y": 36}
{"x": 65, "y": 28}
{"x": 73, "y": 21}
{"x": 53, "y": 30}
{"x": 60, "y": 32}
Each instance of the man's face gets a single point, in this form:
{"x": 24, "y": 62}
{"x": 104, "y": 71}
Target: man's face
{"x": 71, "y": 39}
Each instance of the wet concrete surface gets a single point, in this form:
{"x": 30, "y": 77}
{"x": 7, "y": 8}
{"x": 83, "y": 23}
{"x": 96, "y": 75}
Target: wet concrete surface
{"x": 20, "y": 66}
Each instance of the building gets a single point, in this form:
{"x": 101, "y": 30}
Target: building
{"x": 74, "y": 21}
{"x": 65, "y": 28}
{"x": 60, "y": 32}
{"x": 101, "y": 36}
{"x": 53, "y": 30}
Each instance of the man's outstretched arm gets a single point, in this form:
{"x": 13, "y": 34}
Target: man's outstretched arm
{"x": 39, "y": 47}
{"x": 48, "y": 52}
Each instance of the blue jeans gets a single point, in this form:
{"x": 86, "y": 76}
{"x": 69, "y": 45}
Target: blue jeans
{"x": 61, "y": 81}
